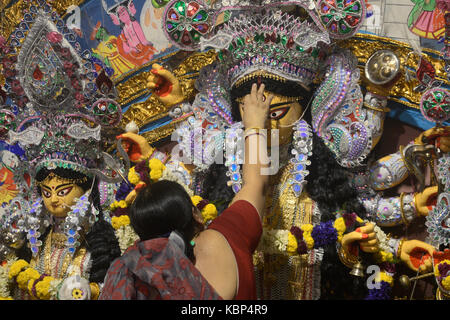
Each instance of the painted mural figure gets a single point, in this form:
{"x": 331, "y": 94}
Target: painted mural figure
{"x": 426, "y": 20}
{"x": 134, "y": 46}
{"x": 107, "y": 51}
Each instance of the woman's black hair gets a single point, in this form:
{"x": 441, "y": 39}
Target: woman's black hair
{"x": 163, "y": 207}
{"x": 101, "y": 240}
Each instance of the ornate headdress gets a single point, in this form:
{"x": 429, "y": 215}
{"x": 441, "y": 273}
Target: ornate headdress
{"x": 59, "y": 108}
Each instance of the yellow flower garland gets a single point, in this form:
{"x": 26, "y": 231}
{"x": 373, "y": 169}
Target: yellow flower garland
{"x": 339, "y": 225}
{"x": 292, "y": 245}
{"x": 133, "y": 177}
{"x": 383, "y": 256}
{"x": 25, "y": 276}
{"x": 209, "y": 212}
{"x": 307, "y": 229}
{"x": 121, "y": 221}
{"x": 156, "y": 164}
{"x": 16, "y": 268}
{"x": 383, "y": 276}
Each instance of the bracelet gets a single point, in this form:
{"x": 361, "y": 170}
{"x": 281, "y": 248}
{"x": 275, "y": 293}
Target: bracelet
{"x": 368, "y": 106}
{"x": 253, "y": 129}
{"x": 255, "y": 133}
{"x": 402, "y": 213}
{"x": 399, "y": 249}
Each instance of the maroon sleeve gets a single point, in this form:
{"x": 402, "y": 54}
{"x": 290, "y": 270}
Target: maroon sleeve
{"x": 240, "y": 224}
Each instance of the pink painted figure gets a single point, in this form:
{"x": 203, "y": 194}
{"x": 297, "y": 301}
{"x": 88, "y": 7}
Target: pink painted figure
{"x": 134, "y": 43}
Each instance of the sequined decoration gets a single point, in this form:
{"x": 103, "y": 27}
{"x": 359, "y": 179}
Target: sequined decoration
{"x": 83, "y": 213}
{"x": 234, "y": 151}
{"x": 302, "y": 149}
{"x": 435, "y": 105}
{"x": 438, "y": 221}
{"x": 185, "y": 22}
{"x": 342, "y": 18}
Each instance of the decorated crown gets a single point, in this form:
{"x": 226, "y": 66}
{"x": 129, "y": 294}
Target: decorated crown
{"x": 262, "y": 35}
{"x": 60, "y": 102}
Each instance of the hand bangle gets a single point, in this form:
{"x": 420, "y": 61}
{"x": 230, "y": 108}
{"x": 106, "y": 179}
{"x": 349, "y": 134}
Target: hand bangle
{"x": 402, "y": 213}
{"x": 382, "y": 109}
{"x": 399, "y": 249}
{"x": 253, "y": 129}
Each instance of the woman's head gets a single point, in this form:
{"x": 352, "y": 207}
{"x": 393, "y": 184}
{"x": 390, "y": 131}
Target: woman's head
{"x": 60, "y": 188}
{"x": 163, "y": 207}
{"x": 285, "y": 109}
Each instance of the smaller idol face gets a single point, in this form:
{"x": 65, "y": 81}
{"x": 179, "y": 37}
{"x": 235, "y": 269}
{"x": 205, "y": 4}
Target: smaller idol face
{"x": 59, "y": 195}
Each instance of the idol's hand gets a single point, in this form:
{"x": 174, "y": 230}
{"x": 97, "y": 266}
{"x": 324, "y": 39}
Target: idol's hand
{"x": 165, "y": 85}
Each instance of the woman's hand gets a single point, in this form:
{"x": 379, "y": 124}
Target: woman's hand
{"x": 417, "y": 255}
{"x": 364, "y": 236}
{"x": 165, "y": 85}
{"x": 255, "y": 108}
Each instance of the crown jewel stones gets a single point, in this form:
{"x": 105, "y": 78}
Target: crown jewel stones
{"x": 185, "y": 22}
{"x": 342, "y": 18}
{"x": 278, "y": 43}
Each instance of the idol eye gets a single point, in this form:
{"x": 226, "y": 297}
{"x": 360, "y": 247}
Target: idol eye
{"x": 45, "y": 193}
{"x": 64, "y": 192}
{"x": 278, "y": 114}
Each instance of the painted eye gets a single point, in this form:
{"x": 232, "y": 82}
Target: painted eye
{"x": 64, "y": 192}
{"x": 46, "y": 194}
{"x": 278, "y": 114}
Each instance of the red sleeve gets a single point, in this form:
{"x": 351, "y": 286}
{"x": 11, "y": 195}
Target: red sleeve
{"x": 240, "y": 224}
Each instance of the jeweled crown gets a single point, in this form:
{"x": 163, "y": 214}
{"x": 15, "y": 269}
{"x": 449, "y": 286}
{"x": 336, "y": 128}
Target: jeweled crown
{"x": 277, "y": 43}
{"x": 58, "y": 101}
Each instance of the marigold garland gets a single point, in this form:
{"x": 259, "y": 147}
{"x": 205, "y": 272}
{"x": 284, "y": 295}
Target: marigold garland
{"x": 133, "y": 177}
{"x": 299, "y": 240}
{"x": 208, "y": 210}
{"x": 121, "y": 221}
{"x": 30, "y": 280}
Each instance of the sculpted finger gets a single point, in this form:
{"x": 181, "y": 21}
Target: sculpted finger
{"x": 369, "y": 249}
{"x": 369, "y": 243}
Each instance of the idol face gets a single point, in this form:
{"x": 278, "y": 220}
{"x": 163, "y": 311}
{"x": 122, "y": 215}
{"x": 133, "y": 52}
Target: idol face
{"x": 283, "y": 113}
{"x": 59, "y": 195}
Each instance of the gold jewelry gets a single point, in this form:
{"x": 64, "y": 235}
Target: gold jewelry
{"x": 255, "y": 133}
{"x": 283, "y": 99}
{"x": 255, "y": 130}
{"x": 95, "y": 290}
{"x": 401, "y": 209}
{"x": 346, "y": 258}
{"x": 368, "y": 106}
{"x": 252, "y": 128}
{"x": 399, "y": 250}
{"x": 260, "y": 73}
